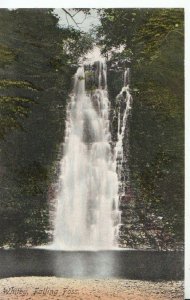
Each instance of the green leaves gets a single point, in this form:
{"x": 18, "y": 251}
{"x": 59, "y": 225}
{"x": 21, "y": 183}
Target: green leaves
{"x": 6, "y": 84}
{"x": 155, "y": 30}
{"x": 12, "y": 110}
{"x": 6, "y": 55}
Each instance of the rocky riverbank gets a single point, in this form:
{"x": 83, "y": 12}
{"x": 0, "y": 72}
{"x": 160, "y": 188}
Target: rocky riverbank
{"x": 52, "y": 288}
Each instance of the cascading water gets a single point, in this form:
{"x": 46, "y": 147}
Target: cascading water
{"x": 125, "y": 101}
{"x": 88, "y": 213}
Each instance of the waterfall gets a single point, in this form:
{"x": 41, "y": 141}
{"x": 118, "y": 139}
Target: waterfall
{"x": 124, "y": 101}
{"x": 90, "y": 179}
{"x": 87, "y": 214}
{"x": 127, "y": 77}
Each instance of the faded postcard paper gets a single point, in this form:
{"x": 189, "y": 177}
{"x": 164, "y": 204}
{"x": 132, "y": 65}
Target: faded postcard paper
{"x": 92, "y": 153}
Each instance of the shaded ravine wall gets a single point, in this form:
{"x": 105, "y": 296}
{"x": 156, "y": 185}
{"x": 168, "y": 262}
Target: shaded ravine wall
{"x": 152, "y": 208}
{"x": 35, "y": 79}
{"x": 37, "y": 58}
{"x": 147, "y": 222}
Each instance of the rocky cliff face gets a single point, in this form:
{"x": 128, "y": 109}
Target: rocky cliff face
{"x": 148, "y": 221}
{"x": 151, "y": 203}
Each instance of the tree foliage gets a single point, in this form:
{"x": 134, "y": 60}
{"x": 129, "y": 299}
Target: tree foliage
{"x": 37, "y": 60}
{"x": 153, "y": 40}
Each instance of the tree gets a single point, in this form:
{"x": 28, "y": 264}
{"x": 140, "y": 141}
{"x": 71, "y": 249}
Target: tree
{"x": 37, "y": 64}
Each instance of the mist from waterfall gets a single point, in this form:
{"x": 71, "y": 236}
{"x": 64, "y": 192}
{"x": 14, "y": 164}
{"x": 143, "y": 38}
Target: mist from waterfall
{"x": 87, "y": 213}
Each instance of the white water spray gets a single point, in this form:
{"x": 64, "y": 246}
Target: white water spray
{"x": 88, "y": 213}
